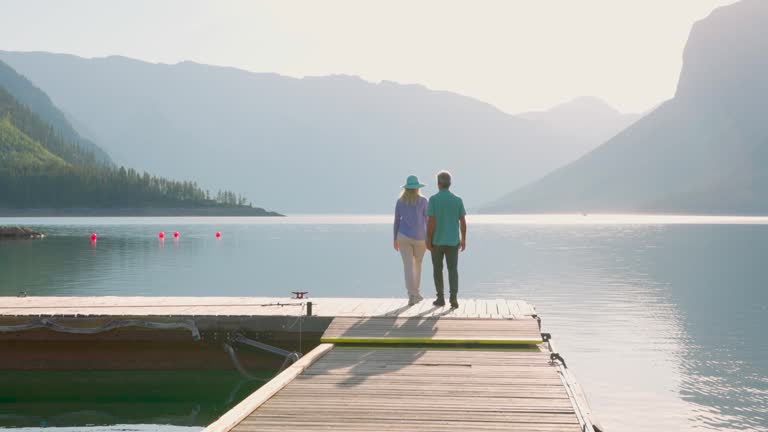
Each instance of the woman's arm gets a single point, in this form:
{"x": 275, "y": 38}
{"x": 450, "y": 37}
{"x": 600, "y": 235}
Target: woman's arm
{"x": 397, "y": 219}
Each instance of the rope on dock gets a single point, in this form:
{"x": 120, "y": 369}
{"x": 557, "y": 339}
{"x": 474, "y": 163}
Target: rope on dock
{"x": 300, "y": 320}
{"x": 261, "y": 345}
{"x": 51, "y": 325}
{"x": 289, "y": 357}
{"x": 236, "y": 362}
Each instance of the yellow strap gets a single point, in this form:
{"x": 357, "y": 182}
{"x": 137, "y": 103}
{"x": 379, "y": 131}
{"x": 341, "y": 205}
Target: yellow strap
{"x": 428, "y": 341}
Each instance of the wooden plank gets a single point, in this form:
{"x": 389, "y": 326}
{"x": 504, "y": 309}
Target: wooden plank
{"x": 503, "y": 308}
{"x": 432, "y": 330}
{"x": 471, "y": 308}
{"x": 415, "y": 310}
{"x": 368, "y": 308}
{"x": 279, "y": 424}
{"x": 240, "y": 306}
{"x": 522, "y": 308}
{"x": 242, "y": 410}
{"x": 359, "y": 389}
{"x": 515, "y": 309}
{"x": 382, "y": 306}
{"x": 354, "y": 309}
{"x": 426, "y": 307}
{"x": 337, "y": 307}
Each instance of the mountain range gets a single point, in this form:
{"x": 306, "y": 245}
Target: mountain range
{"x": 703, "y": 151}
{"x": 342, "y": 144}
{"x": 47, "y": 167}
{"x": 587, "y": 119}
{"x": 333, "y": 144}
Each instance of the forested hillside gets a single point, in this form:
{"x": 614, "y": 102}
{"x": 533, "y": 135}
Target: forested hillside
{"x": 38, "y": 102}
{"x": 40, "y": 169}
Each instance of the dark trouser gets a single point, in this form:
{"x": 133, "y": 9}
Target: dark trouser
{"x": 451, "y": 254}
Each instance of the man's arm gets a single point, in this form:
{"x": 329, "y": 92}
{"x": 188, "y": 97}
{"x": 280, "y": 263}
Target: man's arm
{"x": 463, "y": 227}
{"x": 430, "y": 231}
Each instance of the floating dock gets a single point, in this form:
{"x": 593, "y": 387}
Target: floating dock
{"x": 201, "y": 307}
{"x": 370, "y": 364}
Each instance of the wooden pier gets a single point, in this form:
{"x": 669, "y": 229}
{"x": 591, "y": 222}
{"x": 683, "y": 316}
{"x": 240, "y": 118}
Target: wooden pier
{"x": 324, "y": 307}
{"x": 417, "y": 389}
{"x": 375, "y": 364}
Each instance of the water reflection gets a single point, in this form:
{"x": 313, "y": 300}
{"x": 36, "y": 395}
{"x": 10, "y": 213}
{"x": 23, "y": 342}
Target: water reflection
{"x": 725, "y": 307}
{"x": 39, "y": 399}
{"x": 662, "y": 320}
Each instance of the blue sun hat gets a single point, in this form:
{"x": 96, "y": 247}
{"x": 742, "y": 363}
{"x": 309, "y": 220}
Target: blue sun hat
{"x": 412, "y": 182}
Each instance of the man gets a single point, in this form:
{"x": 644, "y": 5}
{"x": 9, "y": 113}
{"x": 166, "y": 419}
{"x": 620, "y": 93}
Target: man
{"x": 446, "y": 233}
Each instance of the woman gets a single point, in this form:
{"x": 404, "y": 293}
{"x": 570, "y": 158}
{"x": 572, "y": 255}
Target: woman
{"x": 410, "y": 232}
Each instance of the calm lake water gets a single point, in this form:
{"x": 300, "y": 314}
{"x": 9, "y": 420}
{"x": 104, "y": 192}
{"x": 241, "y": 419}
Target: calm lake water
{"x": 119, "y": 400}
{"x": 662, "y": 319}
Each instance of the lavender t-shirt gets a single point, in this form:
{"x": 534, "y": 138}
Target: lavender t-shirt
{"x": 411, "y": 220}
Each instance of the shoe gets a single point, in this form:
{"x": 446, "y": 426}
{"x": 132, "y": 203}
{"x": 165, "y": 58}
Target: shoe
{"x": 417, "y": 298}
{"x": 411, "y": 300}
{"x": 454, "y": 304}
{"x": 439, "y": 302}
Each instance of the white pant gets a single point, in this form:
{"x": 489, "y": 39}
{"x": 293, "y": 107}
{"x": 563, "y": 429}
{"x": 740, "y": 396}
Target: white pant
{"x": 412, "y": 252}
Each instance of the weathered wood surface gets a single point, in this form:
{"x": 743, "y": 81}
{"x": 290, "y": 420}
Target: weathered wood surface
{"x": 264, "y": 393}
{"x": 255, "y": 306}
{"x": 359, "y": 389}
{"x": 432, "y": 330}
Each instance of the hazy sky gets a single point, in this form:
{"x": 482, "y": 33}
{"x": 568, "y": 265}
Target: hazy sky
{"x": 518, "y": 55}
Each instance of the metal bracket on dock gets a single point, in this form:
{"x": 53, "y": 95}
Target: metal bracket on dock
{"x": 583, "y": 411}
{"x": 51, "y": 325}
{"x": 556, "y": 356}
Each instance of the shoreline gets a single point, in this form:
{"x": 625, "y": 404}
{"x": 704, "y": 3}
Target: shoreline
{"x": 129, "y": 212}
{"x": 19, "y": 232}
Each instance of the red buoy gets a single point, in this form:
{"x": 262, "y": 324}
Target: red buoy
{"x": 93, "y": 237}
{"x": 176, "y": 234}
{"x": 161, "y": 235}
{"x": 218, "y": 234}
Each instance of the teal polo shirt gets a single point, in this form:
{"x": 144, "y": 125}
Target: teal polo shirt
{"x": 446, "y": 208}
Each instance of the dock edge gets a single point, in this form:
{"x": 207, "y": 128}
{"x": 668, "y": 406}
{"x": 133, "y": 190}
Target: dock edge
{"x": 242, "y": 410}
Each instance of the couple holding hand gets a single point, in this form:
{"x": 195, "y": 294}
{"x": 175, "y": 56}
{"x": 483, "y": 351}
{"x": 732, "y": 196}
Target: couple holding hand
{"x": 437, "y": 225}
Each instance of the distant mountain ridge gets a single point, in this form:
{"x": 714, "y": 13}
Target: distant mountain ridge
{"x": 704, "y": 151}
{"x": 42, "y": 172}
{"x": 587, "y": 118}
{"x": 318, "y": 144}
